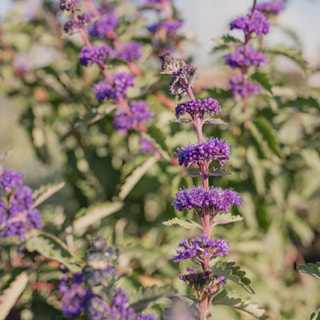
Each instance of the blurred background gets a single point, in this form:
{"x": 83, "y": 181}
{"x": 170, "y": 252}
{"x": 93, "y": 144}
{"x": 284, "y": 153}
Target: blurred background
{"x": 46, "y": 98}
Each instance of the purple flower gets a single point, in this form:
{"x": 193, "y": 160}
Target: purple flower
{"x": 258, "y": 24}
{"x": 70, "y": 25}
{"x": 74, "y": 295}
{"x": 10, "y": 179}
{"x": 239, "y": 59}
{"x": 182, "y": 80}
{"x": 204, "y": 153}
{"x": 146, "y": 146}
{"x": 107, "y": 24}
{"x": 129, "y": 51}
{"x": 70, "y": 5}
{"x": 123, "y": 122}
{"x": 200, "y": 248}
{"x": 270, "y": 7}
{"x": 165, "y": 25}
{"x": 97, "y": 309}
{"x": 120, "y": 309}
{"x": 95, "y": 277}
{"x": 17, "y": 217}
{"x": 154, "y": 4}
{"x": 104, "y": 89}
{"x": 243, "y": 89}
{"x": 142, "y": 316}
{"x": 200, "y": 107}
{"x": 94, "y": 55}
{"x": 215, "y": 199}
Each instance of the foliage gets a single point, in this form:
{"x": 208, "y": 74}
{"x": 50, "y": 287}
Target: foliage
{"x": 97, "y": 182}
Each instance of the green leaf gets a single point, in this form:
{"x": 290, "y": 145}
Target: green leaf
{"x": 265, "y": 135}
{"x": 244, "y": 305}
{"x": 148, "y": 296}
{"x": 226, "y": 218}
{"x": 136, "y": 175}
{"x": 315, "y": 315}
{"x": 263, "y": 80}
{"x": 302, "y": 103}
{"x": 88, "y": 216}
{"x": 52, "y": 248}
{"x": 187, "y": 224}
{"x": 213, "y": 172}
{"x": 291, "y": 54}
{"x": 158, "y": 139}
{"x": 10, "y": 296}
{"x": 233, "y": 273}
{"x": 116, "y": 61}
{"x": 227, "y": 40}
{"x": 311, "y": 269}
{"x": 45, "y": 192}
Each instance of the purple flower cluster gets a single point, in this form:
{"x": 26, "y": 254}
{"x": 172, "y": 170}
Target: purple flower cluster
{"x": 182, "y": 80}
{"x": 95, "y": 55}
{"x": 243, "y": 89}
{"x": 165, "y": 25}
{"x": 200, "y": 248}
{"x": 215, "y": 199}
{"x": 122, "y": 82}
{"x": 270, "y": 7}
{"x": 106, "y": 25}
{"x": 123, "y": 122}
{"x": 75, "y": 295}
{"x": 70, "y": 25}
{"x": 69, "y": 5}
{"x": 10, "y": 179}
{"x": 156, "y": 4}
{"x": 146, "y": 146}
{"x": 240, "y": 59}
{"x": 17, "y": 215}
{"x": 198, "y": 107}
{"x": 257, "y": 24}
{"x": 97, "y": 309}
{"x": 209, "y": 150}
{"x": 130, "y": 51}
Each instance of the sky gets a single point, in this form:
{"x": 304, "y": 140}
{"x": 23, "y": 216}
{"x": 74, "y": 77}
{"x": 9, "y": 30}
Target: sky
{"x": 207, "y": 19}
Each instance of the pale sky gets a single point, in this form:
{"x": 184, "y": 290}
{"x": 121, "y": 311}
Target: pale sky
{"x": 207, "y": 19}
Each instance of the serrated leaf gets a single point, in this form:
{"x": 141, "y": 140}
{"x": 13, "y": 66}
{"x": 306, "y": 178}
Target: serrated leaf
{"x": 115, "y": 61}
{"x": 263, "y": 80}
{"x": 233, "y": 273}
{"x": 52, "y": 248}
{"x": 90, "y": 215}
{"x": 187, "y": 224}
{"x": 10, "y": 296}
{"x": 181, "y": 120}
{"x": 311, "y": 269}
{"x": 45, "y": 192}
{"x": 136, "y": 175}
{"x": 315, "y": 315}
{"x": 213, "y": 172}
{"x": 158, "y": 139}
{"x": 226, "y": 218}
{"x": 291, "y": 54}
{"x": 150, "y": 295}
{"x": 92, "y": 117}
{"x": 244, "y": 305}
{"x": 264, "y": 134}
{"x": 227, "y": 40}
{"x": 216, "y": 121}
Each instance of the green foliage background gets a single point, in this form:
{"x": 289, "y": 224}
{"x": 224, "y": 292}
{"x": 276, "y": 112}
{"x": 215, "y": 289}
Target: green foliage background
{"x": 113, "y": 190}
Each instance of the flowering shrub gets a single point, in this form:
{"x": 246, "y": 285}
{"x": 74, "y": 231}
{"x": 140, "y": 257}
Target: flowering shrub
{"x": 144, "y": 226}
